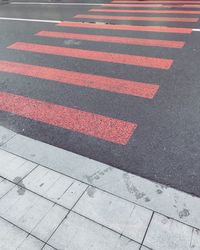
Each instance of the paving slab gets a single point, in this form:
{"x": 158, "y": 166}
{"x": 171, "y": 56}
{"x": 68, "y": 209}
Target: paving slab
{"x": 165, "y": 234}
{"x": 13, "y": 238}
{"x": 122, "y": 216}
{"x": 5, "y": 186}
{"x": 77, "y": 232}
{"x": 145, "y": 248}
{"x": 31, "y": 243}
{"x": 5, "y": 135}
{"x": 48, "y": 225}
{"x": 14, "y": 168}
{"x": 48, "y": 248}
{"x": 54, "y": 186}
{"x": 31, "y": 212}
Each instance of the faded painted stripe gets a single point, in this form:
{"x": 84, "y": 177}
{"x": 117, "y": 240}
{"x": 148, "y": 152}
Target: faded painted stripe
{"x": 126, "y": 27}
{"x": 99, "y": 126}
{"x": 151, "y": 62}
{"x": 110, "y": 84}
{"x": 148, "y": 11}
{"x": 140, "y": 18}
{"x": 113, "y": 39}
{"x": 49, "y": 3}
{"x": 182, "y": 5}
{"x": 28, "y": 20}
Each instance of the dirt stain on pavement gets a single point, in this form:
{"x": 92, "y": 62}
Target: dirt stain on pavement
{"x": 97, "y": 175}
{"x": 159, "y": 191}
{"x": 133, "y": 189}
{"x": 91, "y": 191}
{"x": 21, "y": 189}
{"x": 184, "y": 213}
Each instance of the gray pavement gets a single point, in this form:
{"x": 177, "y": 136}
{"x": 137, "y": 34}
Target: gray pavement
{"x": 41, "y": 208}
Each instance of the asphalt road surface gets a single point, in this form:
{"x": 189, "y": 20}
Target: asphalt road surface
{"x": 118, "y": 84}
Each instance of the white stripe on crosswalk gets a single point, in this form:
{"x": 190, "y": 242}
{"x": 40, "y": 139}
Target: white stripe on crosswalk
{"x": 28, "y": 20}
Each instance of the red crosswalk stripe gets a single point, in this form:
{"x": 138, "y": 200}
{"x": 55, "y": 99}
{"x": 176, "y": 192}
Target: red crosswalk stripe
{"x": 152, "y": 62}
{"x": 113, "y": 39}
{"x": 156, "y": 2}
{"x": 99, "y": 126}
{"x": 153, "y": 3}
{"x": 148, "y": 11}
{"x": 182, "y": 6}
{"x": 126, "y": 27}
{"x": 140, "y": 18}
{"x": 110, "y": 84}
{"x": 133, "y": 5}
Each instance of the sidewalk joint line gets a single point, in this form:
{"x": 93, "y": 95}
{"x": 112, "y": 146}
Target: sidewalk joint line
{"x": 9, "y": 139}
{"x": 69, "y": 211}
{"x": 147, "y": 229}
{"x": 58, "y": 226}
{"x": 28, "y": 234}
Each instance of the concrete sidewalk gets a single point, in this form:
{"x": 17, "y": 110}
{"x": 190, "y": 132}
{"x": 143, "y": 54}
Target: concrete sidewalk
{"x": 54, "y": 199}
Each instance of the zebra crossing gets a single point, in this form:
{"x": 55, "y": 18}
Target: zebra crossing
{"x": 90, "y": 124}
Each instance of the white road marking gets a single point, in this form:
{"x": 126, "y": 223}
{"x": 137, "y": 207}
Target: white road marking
{"x": 29, "y": 20}
{"x": 43, "y": 3}
{"x": 196, "y": 30}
